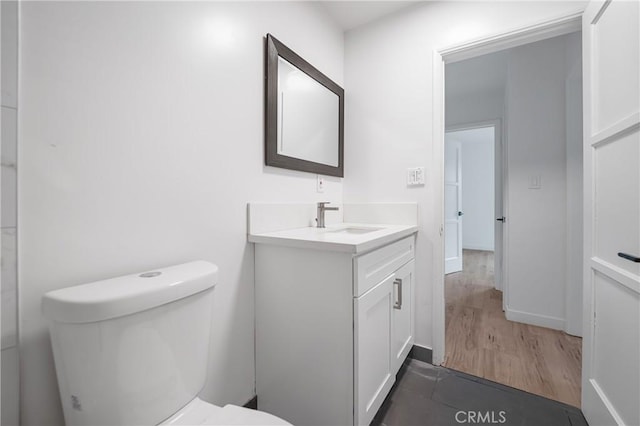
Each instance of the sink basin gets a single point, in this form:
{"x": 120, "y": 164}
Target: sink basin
{"x": 353, "y": 231}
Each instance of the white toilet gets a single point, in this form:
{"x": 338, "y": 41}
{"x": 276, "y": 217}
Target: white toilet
{"x": 133, "y": 350}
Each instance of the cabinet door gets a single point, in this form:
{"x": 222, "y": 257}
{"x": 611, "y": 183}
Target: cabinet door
{"x": 373, "y": 329}
{"x": 403, "y": 334}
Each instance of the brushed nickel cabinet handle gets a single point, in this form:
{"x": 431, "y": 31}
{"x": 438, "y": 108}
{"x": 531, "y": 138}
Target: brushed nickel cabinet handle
{"x": 398, "y": 303}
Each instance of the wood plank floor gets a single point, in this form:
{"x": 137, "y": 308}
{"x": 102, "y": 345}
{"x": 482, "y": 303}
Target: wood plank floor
{"x": 482, "y": 342}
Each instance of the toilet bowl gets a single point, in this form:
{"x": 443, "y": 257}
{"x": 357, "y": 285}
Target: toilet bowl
{"x": 133, "y": 350}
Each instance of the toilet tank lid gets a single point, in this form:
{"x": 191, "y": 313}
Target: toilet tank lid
{"x": 116, "y": 297}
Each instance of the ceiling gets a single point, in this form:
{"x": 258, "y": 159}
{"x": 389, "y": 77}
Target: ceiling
{"x": 352, "y": 14}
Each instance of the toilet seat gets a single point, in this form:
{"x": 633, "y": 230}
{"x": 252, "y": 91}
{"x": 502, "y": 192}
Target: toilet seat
{"x": 234, "y": 415}
{"x": 199, "y": 412}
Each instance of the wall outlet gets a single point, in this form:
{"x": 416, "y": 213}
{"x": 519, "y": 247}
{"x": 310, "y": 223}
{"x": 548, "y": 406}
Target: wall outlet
{"x": 415, "y": 176}
{"x": 320, "y": 184}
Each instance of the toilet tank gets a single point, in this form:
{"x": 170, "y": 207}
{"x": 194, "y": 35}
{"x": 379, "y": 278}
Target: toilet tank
{"x": 132, "y": 350}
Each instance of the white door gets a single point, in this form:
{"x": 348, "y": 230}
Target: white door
{"x": 373, "y": 330}
{"x": 403, "y": 324}
{"x": 452, "y": 205}
{"x": 611, "y": 344}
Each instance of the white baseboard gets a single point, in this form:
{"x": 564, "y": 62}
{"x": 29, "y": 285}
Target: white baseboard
{"x": 534, "y": 319}
{"x": 573, "y": 329}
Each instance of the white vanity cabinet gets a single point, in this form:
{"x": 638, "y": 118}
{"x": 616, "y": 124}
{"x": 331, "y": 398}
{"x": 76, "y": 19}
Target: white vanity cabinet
{"x": 332, "y": 329}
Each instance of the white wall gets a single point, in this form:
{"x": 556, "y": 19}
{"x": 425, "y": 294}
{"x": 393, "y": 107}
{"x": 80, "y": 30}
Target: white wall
{"x": 537, "y": 148}
{"x": 573, "y": 89}
{"x": 474, "y": 108}
{"x": 141, "y": 142}
{"x": 388, "y": 79}
{"x": 478, "y": 187}
{"x": 474, "y": 89}
{"x": 9, "y": 70}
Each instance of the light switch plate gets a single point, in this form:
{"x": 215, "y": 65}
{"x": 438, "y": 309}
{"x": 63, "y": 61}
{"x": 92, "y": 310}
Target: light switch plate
{"x": 415, "y": 176}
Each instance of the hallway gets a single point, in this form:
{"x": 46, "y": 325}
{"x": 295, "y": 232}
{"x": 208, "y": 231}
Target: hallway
{"x": 480, "y": 341}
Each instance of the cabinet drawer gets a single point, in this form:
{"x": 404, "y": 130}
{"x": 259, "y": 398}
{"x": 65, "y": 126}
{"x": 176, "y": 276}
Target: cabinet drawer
{"x": 371, "y": 268}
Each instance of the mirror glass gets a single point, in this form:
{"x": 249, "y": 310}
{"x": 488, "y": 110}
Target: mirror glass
{"x": 304, "y": 128}
{"x": 307, "y": 117}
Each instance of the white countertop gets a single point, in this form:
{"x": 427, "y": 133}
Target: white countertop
{"x": 345, "y": 237}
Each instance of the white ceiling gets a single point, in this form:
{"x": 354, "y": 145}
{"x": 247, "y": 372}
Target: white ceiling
{"x": 352, "y": 14}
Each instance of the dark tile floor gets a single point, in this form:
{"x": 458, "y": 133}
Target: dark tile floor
{"x": 426, "y": 395}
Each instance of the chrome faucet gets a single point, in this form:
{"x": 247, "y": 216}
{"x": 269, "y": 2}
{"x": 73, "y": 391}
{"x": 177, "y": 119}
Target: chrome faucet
{"x": 321, "y": 209}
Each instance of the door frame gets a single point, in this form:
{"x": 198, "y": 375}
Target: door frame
{"x": 558, "y": 26}
{"x": 500, "y": 204}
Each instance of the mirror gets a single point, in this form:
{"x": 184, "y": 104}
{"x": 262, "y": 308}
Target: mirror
{"x": 304, "y": 115}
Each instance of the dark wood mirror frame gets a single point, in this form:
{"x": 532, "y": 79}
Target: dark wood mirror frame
{"x": 275, "y": 49}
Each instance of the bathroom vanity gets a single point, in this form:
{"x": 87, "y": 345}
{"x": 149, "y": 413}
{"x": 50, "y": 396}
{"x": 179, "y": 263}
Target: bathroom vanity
{"x": 334, "y": 319}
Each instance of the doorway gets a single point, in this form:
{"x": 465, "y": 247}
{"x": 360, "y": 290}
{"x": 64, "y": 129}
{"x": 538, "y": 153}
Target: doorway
{"x": 473, "y": 192}
{"x": 514, "y": 332}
